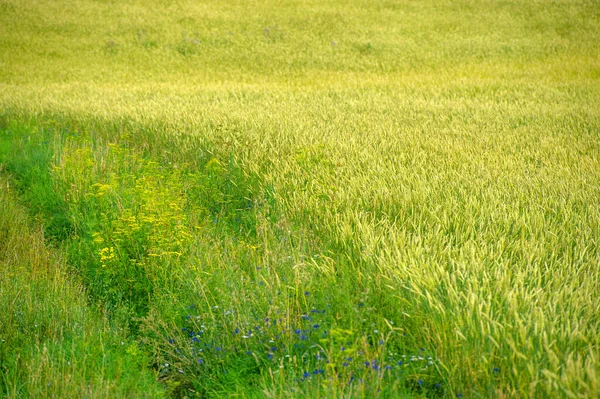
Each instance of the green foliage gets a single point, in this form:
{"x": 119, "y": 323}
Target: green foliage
{"x": 51, "y": 342}
{"x": 136, "y": 227}
{"x": 26, "y": 155}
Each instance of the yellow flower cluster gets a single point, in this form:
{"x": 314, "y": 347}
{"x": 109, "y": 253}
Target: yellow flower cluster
{"x": 140, "y": 205}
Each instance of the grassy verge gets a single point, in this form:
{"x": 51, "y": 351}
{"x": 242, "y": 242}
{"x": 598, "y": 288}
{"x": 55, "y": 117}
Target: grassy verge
{"x": 52, "y": 343}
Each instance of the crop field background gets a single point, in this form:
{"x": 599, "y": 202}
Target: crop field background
{"x": 281, "y": 199}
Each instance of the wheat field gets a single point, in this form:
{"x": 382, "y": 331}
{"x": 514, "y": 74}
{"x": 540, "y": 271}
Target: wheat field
{"x": 390, "y": 199}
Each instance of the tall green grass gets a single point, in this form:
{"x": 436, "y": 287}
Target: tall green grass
{"x": 257, "y": 195}
{"x": 52, "y": 343}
